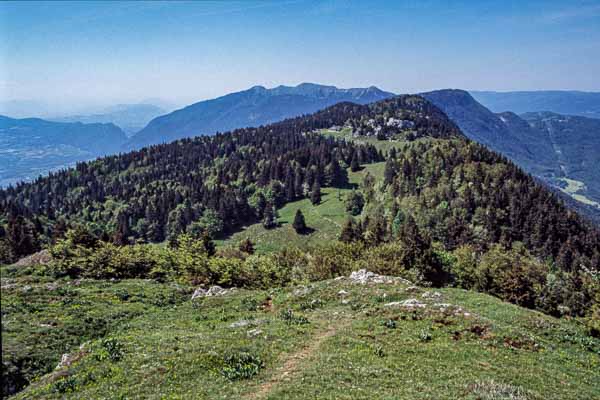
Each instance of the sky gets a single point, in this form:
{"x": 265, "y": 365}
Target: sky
{"x": 68, "y": 55}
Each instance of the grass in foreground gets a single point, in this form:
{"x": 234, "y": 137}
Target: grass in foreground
{"x": 330, "y": 340}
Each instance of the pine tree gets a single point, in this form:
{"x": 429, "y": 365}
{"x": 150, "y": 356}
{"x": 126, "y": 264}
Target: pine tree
{"x": 348, "y": 234}
{"x": 354, "y": 165}
{"x": 270, "y": 218}
{"x": 398, "y": 223}
{"x": 209, "y": 245}
{"x": 315, "y": 195}
{"x": 389, "y": 172}
{"x": 355, "y": 203}
{"x": 299, "y": 224}
{"x": 21, "y": 237}
{"x": 335, "y": 175}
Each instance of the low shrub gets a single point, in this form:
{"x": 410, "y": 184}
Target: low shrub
{"x": 110, "y": 349}
{"x": 291, "y": 319}
{"x": 241, "y": 365}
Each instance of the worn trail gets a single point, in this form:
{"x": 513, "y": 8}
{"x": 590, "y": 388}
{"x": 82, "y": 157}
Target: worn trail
{"x": 292, "y": 364}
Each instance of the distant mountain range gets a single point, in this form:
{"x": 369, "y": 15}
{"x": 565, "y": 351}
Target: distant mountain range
{"x": 585, "y": 104}
{"x": 32, "y": 146}
{"x": 253, "y": 107}
{"x": 563, "y": 151}
{"x": 129, "y": 117}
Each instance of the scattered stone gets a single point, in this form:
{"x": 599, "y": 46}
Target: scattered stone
{"x": 200, "y": 292}
{"x": 342, "y": 293}
{"x": 412, "y": 289}
{"x": 345, "y": 301}
{"x": 40, "y": 258}
{"x": 65, "y": 361}
{"x": 432, "y": 295}
{"x": 247, "y": 322}
{"x": 301, "y": 291}
{"x": 51, "y": 286}
{"x": 410, "y": 303}
{"x": 254, "y": 332}
{"x": 9, "y": 286}
{"x": 68, "y": 359}
{"x": 26, "y": 288}
{"x": 456, "y": 310}
{"x": 212, "y": 291}
{"x": 364, "y": 277}
{"x": 339, "y": 278}
{"x": 238, "y": 324}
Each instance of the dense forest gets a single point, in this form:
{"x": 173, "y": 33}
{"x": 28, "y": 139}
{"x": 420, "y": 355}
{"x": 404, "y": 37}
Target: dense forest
{"x": 440, "y": 192}
{"x": 221, "y": 182}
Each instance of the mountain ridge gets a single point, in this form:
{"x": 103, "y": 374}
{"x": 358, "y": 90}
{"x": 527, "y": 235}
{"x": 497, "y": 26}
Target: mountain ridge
{"x": 554, "y": 147}
{"x": 33, "y": 146}
{"x": 129, "y": 117}
{"x": 570, "y": 102}
{"x": 252, "y": 107}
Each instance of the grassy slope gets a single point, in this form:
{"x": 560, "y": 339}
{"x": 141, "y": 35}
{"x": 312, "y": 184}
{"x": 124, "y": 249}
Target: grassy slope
{"x": 326, "y": 219}
{"x": 344, "y": 352}
{"x": 346, "y": 134}
{"x": 43, "y": 318}
{"x": 574, "y": 188}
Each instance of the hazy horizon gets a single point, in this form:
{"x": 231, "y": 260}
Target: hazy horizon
{"x": 73, "y": 56}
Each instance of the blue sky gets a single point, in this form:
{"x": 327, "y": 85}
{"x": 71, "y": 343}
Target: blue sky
{"x": 73, "y": 53}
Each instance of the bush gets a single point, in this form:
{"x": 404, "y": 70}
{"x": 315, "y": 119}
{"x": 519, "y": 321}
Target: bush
{"x": 333, "y": 260}
{"x": 65, "y": 385}
{"x": 291, "y": 319}
{"x": 241, "y": 365}
{"x": 464, "y": 267}
{"x": 110, "y": 349}
{"x": 513, "y": 275}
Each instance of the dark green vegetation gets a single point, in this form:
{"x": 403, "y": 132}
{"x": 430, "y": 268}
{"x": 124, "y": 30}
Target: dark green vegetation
{"x": 563, "y": 151}
{"x": 407, "y": 195}
{"x": 227, "y": 180}
{"x": 330, "y": 339}
{"x": 253, "y": 107}
{"x": 31, "y": 147}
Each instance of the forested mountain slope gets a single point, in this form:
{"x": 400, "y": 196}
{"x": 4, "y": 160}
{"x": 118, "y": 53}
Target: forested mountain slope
{"x": 460, "y": 192}
{"x": 157, "y": 191}
{"x": 576, "y": 142}
{"x": 253, "y": 107}
{"x": 560, "y": 150}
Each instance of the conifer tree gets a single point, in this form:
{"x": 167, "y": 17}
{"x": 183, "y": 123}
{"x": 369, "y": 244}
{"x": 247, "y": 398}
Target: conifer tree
{"x": 270, "y": 217}
{"x": 354, "y": 165}
{"x": 315, "y": 195}
{"x": 299, "y": 224}
{"x": 390, "y": 171}
{"x": 348, "y": 234}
